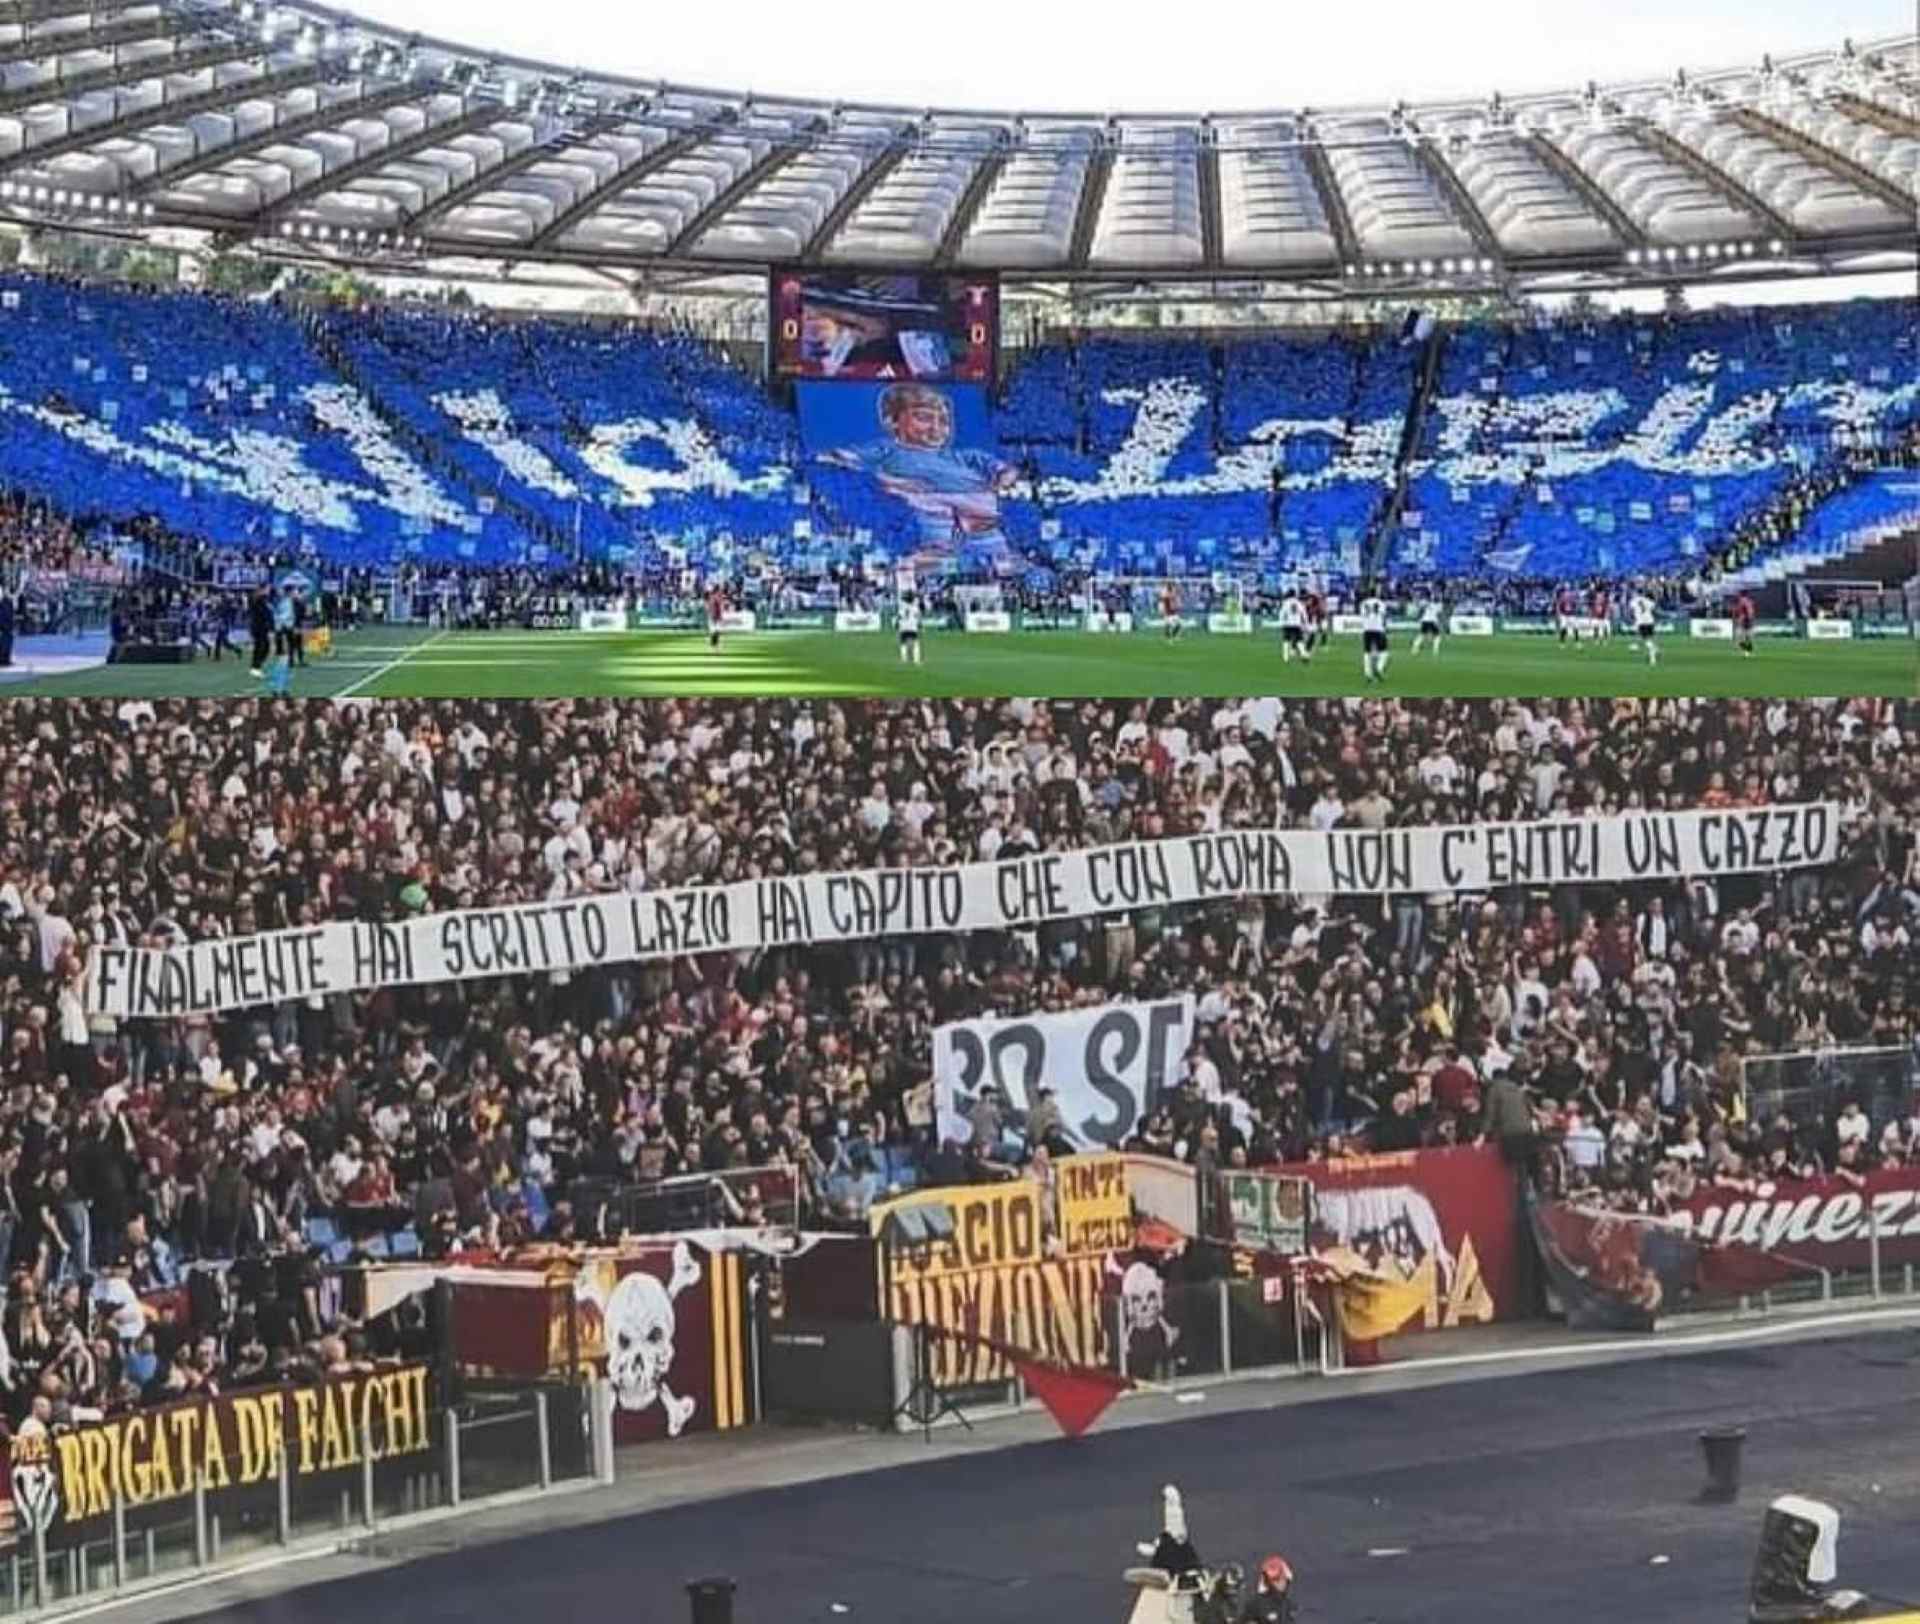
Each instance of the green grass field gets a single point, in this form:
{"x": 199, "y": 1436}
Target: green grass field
{"x": 396, "y": 662}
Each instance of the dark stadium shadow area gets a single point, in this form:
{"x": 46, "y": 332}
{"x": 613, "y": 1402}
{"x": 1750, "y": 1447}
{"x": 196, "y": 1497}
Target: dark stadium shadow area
{"x": 1569, "y": 1495}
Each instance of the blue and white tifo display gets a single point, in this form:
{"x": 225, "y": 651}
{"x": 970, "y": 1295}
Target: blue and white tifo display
{"x": 374, "y": 435}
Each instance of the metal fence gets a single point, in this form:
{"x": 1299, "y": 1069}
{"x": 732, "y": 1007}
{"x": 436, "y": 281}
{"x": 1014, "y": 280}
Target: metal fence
{"x": 487, "y": 1446}
{"x": 1810, "y": 1085}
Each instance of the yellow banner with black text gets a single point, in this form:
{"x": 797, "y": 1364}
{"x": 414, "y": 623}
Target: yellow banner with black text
{"x": 234, "y": 1441}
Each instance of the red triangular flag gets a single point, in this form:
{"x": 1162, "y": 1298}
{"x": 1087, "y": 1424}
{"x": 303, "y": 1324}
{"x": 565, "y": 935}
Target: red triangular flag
{"x": 1075, "y": 1396}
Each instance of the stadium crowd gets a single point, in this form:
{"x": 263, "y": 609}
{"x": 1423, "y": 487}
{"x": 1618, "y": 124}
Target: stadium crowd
{"x": 1613, "y": 1018}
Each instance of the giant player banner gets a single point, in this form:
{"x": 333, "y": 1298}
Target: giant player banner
{"x": 1107, "y": 1066}
{"x": 1018, "y": 894}
{"x": 928, "y": 445}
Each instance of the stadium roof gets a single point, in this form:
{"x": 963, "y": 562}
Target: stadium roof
{"x": 315, "y": 130}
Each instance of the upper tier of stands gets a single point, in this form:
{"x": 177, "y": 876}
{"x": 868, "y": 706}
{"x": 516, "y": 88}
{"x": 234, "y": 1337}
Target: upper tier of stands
{"x": 1633, "y": 446}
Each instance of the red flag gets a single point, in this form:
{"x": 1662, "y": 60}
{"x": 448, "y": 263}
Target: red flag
{"x": 1075, "y": 1396}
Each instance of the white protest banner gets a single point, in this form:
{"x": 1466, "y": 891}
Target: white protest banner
{"x": 1018, "y": 894}
{"x": 1107, "y": 1066}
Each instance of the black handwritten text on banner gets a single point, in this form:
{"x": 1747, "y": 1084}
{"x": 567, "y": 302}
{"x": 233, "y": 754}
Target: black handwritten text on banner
{"x": 240, "y": 972}
{"x": 1107, "y": 1067}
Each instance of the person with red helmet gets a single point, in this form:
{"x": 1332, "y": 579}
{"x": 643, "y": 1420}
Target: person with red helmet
{"x": 1271, "y": 1599}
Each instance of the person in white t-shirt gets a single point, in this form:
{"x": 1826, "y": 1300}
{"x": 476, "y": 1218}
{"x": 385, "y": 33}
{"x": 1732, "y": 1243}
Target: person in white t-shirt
{"x": 1852, "y": 1124}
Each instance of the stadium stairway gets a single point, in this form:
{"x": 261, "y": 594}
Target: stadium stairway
{"x": 1868, "y": 530}
{"x": 1892, "y": 559}
{"x": 1432, "y": 353}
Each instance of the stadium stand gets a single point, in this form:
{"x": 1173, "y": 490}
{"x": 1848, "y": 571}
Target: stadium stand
{"x": 246, "y": 1150}
{"x": 1630, "y": 447}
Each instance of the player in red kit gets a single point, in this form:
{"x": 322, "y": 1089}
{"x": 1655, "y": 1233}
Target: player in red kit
{"x": 1602, "y": 612}
{"x": 716, "y": 614}
{"x": 1743, "y": 623}
{"x": 1170, "y": 610}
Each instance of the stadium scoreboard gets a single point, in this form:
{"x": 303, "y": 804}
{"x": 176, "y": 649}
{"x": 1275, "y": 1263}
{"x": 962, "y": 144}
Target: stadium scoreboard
{"x": 870, "y": 326}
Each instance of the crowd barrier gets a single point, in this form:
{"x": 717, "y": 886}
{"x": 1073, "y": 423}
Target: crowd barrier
{"x": 533, "y": 1366}
{"x": 158, "y": 1495}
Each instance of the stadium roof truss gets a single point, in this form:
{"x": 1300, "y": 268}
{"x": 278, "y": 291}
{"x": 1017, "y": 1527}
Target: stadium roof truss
{"x": 325, "y": 135}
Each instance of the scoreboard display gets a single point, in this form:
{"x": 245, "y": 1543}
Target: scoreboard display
{"x": 871, "y": 326}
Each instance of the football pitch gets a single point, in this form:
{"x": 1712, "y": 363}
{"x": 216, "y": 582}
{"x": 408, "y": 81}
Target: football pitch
{"x": 395, "y": 662}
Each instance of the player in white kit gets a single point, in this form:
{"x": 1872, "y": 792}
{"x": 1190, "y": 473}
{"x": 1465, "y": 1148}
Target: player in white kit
{"x": 907, "y": 618}
{"x": 1293, "y": 630}
{"x": 1373, "y": 638}
{"x": 1643, "y": 626}
{"x": 1432, "y": 624}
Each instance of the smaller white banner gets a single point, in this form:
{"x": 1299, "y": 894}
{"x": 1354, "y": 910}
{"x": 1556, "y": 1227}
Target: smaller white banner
{"x": 1470, "y": 625}
{"x": 738, "y": 620}
{"x": 856, "y": 620}
{"x": 1350, "y": 624}
{"x": 603, "y": 620}
{"x": 1234, "y": 625}
{"x": 1102, "y": 620}
{"x": 1830, "y": 631}
{"x": 989, "y": 620}
{"x": 1107, "y": 1067}
{"x": 1710, "y": 626}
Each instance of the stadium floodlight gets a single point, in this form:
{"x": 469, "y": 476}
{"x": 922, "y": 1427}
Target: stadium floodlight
{"x": 1446, "y": 267}
{"x": 1746, "y": 250}
{"x": 1426, "y": 267}
{"x": 1776, "y": 246}
{"x": 1633, "y": 256}
{"x": 1693, "y": 250}
{"x": 6, "y": 188}
{"x": 1486, "y": 266}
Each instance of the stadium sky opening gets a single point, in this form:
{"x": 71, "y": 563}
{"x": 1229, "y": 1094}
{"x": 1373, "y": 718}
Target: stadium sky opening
{"x": 1005, "y": 55}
